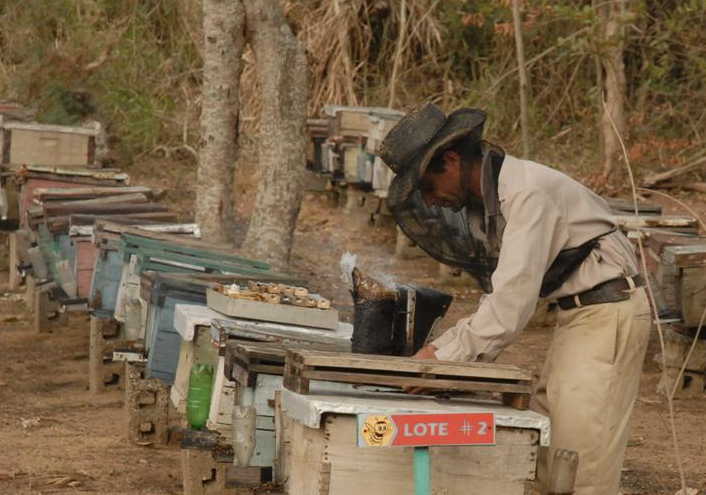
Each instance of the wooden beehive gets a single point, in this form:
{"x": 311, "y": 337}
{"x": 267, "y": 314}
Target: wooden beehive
{"x": 511, "y": 383}
{"x": 678, "y": 265}
{"x": 84, "y": 261}
{"x": 318, "y": 451}
{"x": 379, "y": 128}
{"x": 39, "y": 144}
{"x": 351, "y": 155}
{"x": 350, "y": 123}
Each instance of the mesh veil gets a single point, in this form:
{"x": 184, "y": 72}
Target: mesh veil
{"x": 445, "y": 235}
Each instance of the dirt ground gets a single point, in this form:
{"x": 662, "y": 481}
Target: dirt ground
{"x": 55, "y": 437}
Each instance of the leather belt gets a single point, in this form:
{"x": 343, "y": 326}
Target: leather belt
{"x": 613, "y": 290}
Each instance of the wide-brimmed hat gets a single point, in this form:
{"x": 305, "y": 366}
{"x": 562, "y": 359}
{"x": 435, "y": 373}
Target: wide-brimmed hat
{"x": 412, "y": 143}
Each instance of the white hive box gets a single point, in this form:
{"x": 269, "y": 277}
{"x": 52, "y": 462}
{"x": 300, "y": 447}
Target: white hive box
{"x": 278, "y": 313}
{"x": 39, "y": 144}
{"x": 319, "y": 453}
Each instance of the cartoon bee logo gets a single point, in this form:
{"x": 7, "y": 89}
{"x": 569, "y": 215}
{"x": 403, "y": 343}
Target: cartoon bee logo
{"x": 378, "y": 431}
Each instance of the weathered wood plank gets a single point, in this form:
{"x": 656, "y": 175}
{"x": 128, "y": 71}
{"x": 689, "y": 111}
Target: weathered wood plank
{"x": 105, "y": 173}
{"x": 63, "y": 223}
{"x": 73, "y": 179}
{"x": 306, "y": 449}
{"x": 640, "y": 221}
{"x": 283, "y": 442}
{"x": 103, "y": 200}
{"x": 65, "y": 129}
{"x": 628, "y": 206}
{"x": 159, "y": 241}
{"x": 145, "y": 235}
{"x": 103, "y": 209}
{"x": 405, "y": 364}
{"x": 49, "y": 193}
{"x": 685, "y": 256}
{"x": 466, "y": 385}
{"x": 171, "y": 260}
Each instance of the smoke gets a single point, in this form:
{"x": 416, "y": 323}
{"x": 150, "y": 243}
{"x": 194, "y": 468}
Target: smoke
{"x": 349, "y": 261}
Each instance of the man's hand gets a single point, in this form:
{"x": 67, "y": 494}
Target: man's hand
{"x": 426, "y": 352}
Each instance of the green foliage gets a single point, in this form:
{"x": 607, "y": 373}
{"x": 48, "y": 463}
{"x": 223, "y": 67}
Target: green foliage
{"x": 671, "y": 78}
{"x": 64, "y": 107}
{"x": 138, "y": 63}
{"x": 665, "y": 69}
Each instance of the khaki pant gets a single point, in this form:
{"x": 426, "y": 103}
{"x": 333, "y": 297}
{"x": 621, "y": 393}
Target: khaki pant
{"x": 589, "y": 385}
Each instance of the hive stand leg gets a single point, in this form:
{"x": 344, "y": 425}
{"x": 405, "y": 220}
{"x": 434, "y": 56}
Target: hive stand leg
{"x": 14, "y": 274}
{"x": 691, "y": 386}
{"x": 40, "y": 311}
{"x": 102, "y": 371}
{"x": 147, "y": 407}
{"x": 29, "y": 292}
{"x": 202, "y": 475}
{"x": 45, "y": 311}
{"x": 355, "y": 200}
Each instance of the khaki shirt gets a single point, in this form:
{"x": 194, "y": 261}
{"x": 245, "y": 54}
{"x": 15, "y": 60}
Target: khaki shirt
{"x": 545, "y": 212}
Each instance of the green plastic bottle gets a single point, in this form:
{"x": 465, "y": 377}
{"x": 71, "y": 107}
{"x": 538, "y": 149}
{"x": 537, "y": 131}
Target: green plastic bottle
{"x": 198, "y": 398}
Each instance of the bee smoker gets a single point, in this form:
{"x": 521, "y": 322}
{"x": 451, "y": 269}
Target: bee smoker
{"x": 394, "y": 321}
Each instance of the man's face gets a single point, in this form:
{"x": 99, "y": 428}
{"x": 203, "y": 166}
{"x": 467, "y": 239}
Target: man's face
{"x": 444, "y": 189}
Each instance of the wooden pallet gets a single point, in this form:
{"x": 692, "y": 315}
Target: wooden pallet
{"x": 244, "y": 359}
{"x": 302, "y": 366}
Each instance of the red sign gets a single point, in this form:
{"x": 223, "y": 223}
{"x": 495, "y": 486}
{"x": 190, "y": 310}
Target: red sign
{"x": 375, "y": 430}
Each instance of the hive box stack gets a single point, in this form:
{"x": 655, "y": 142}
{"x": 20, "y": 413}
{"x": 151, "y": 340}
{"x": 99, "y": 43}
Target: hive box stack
{"x": 50, "y": 200}
{"x": 678, "y": 266}
{"x": 321, "y": 435}
{"x": 110, "y": 331}
{"x": 342, "y": 147}
{"x": 143, "y": 300}
{"x": 246, "y": 377}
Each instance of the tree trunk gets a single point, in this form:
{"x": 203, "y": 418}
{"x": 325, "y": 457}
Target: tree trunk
{"x": 282, "y": 71}
{"x": 224, "y": 38}
{"x": 611, "y": 14}
{"x": 522, "y": 70}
